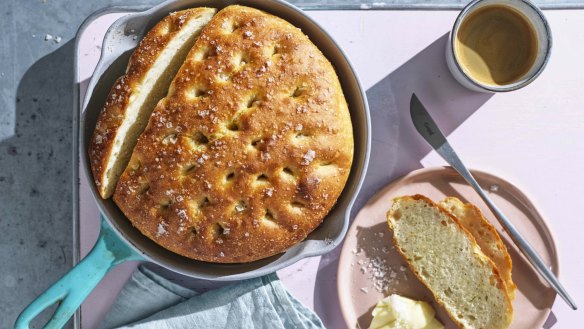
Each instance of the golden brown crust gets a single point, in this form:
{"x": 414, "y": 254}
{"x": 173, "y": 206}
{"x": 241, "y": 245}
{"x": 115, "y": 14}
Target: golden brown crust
{"x": 496, "y": 275}
{"x": 250, "y": 150}
{"x": 114, "y": 110}
{"x": 486, "y": 237}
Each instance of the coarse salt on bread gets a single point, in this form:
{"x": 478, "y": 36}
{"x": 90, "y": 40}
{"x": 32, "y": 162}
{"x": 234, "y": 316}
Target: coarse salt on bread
{"x": 250, "y": 149}
{"x": 131, "y": 100}
{"x": 445, "y": 257}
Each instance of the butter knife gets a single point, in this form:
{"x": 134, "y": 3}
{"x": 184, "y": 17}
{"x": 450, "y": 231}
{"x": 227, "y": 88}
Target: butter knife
{"x": 426, "y": 126}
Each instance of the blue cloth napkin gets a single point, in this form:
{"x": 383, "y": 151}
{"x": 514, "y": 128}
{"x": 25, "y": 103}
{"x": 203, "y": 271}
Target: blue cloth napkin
{"x": 151, "y": 301}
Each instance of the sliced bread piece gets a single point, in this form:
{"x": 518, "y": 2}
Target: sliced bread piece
{"x": 445, "y": 257}
{"x": 486, "y": 236}
{"x": 133, "y": 97}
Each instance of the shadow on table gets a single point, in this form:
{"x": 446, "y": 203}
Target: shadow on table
{"x": 36, "y": 185}
{"x": 396, "y": 147}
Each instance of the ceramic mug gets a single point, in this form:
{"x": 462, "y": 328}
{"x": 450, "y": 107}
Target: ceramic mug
{"x": 539, "y": 26}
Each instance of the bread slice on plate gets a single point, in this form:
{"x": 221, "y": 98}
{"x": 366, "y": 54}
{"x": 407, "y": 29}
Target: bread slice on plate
{"x": 486, "y": 236}
{"x": 133, "y": 97}
{"x": 446, "y": 258}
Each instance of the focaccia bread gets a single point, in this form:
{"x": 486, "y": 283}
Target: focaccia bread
{"x": 250, "y": 149}
{"x": 486, "y": 236}
{"x": 134, "y": 95}
{"x": 446, "y": 259}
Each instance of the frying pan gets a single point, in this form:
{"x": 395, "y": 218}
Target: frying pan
{"x": 119, "y": 241}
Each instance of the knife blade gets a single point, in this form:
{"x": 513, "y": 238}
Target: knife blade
{"x": 425, "y": 125}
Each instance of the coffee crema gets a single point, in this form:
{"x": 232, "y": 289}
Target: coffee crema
{"x": 496, "y": 45}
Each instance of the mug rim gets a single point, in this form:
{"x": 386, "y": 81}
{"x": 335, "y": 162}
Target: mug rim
{"x": 509, "y": 87}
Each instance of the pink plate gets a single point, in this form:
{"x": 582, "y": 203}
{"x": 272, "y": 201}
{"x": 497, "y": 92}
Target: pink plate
{"x": 370, "y": 268}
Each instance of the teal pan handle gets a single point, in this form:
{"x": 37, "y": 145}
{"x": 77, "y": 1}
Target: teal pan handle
{"x": 72, "y": 289}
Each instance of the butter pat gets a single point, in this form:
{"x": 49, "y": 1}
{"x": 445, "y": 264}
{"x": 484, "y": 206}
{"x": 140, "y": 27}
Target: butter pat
{"x": 397, "y": 312}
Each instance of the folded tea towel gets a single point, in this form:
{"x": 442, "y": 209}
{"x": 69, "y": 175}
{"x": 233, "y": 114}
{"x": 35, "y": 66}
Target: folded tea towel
{"x": 149, "y": 301}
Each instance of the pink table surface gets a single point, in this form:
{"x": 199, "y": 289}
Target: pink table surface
{"x": 533, "y": 137}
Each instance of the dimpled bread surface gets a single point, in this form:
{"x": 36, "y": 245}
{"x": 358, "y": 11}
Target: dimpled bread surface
{"x": 250, "y": 149}
{"x": 486, "y": 236}
{"x": 445, "y": 257}
{"x": 133, "y": 97}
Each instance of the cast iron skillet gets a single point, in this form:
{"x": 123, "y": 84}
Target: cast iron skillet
{"x": 120, "y": 241}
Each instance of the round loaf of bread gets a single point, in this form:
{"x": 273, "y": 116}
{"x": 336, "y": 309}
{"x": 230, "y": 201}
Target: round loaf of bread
{"x": 250, "y": 149}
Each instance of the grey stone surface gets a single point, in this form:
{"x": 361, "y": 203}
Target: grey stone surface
{"x": 36, "y": 106}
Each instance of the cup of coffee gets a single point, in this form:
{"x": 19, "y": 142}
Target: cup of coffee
{"x": 498, "y": 45}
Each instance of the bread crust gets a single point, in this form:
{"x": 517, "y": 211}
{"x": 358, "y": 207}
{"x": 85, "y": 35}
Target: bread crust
{"x": 114, "y": 111}
{"x": 499, "y": 284}
{"x": 250, "y": 149}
